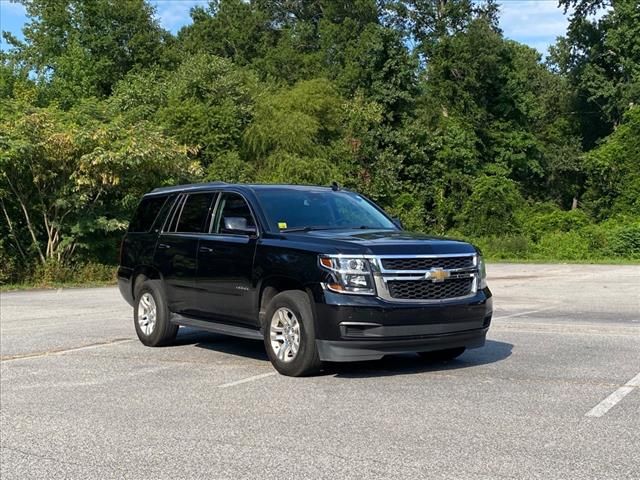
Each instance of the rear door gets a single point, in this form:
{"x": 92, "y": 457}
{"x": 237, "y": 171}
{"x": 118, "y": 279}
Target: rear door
{"x": 225, "y": 263}
{"x": 177, "y": 247}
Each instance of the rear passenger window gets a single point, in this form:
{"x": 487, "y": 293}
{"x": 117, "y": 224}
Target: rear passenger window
{"x": 146, "y": 214}
{"x": 194, "y": 213}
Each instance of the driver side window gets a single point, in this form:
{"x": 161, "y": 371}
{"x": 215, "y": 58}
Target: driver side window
{"x": 233, "y": 216}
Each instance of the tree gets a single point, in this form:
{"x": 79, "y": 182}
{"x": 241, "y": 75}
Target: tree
{"x": 613, "y": 185}
{"x": 82, "y": 48}
{"x": 491, "y": 207}
{"x": 601, "y": 57}
{"x": 209, "y": 104}
{"x": 65, "y": 175}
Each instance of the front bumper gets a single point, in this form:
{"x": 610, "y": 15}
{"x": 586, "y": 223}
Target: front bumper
{"x": 350, "y": 328}
{"x": 353, "y": 350}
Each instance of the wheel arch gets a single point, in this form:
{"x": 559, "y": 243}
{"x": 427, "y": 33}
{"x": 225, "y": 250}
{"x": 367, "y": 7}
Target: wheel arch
{"x": 142, "y": 273}
{"x": 274, "y": 285}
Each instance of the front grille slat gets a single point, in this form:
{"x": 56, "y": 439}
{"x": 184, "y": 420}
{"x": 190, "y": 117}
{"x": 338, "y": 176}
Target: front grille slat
{"x": 428, "y": 290}
{"x": 446, "y": 263}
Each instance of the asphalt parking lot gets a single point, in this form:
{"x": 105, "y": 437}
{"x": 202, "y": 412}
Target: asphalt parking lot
{"x": 554, "y": 394}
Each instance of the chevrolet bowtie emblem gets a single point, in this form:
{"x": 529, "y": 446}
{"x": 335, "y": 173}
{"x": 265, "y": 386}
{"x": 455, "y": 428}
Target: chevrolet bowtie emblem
{"x": 437, "y": 275}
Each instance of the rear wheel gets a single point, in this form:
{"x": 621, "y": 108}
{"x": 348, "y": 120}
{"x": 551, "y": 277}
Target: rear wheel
{"x": 441, "y": 355}
{"x": 151, "y": 315}
{"x": 289, "y": 334}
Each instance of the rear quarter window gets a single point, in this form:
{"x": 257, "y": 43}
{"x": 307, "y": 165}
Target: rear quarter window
{"x": 146, "y": 214}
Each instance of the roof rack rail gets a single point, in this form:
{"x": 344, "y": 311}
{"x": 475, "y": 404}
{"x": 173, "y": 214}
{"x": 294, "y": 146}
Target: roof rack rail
{"x": 185, "y": 186}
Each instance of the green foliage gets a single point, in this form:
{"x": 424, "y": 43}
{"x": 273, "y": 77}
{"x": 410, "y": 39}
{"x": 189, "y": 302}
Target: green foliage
{"x": 601, "y": 58}
{"x": 209, "y": 104}
{"x": 63, "y": 172}
{"x": 537, "y": 223}
{"x": 229, "y": 167}
{"x": 299, "y": 120}
{"x": 614, "y": 167}
{"x": 624, "y": 241}
{"x": 491, "y": 207}
{"x": 83, "y": 48}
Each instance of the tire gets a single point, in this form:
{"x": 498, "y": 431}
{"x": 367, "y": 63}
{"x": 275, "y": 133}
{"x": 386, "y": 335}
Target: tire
{"x": 152, "y": 333}
{"x": 442, "y": 355}
{"x": 291, "y": 309}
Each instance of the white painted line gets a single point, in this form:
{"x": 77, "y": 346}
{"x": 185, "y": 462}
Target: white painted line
{"x": 520, "y": 314}
{"x": 608, "y": 403}
{"x": 28, "y": 356}
{"x": 245, "y": 380}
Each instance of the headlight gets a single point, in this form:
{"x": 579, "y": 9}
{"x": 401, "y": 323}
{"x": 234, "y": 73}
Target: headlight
{"x": 349, "y": 274}
{"x": 482, "y": 282}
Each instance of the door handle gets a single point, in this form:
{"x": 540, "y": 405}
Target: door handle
{"x": 164, "y": 246}
{"x": 205, "y": 250}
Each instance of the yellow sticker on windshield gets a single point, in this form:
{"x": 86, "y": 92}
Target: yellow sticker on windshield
{"x": 282, "y": 225}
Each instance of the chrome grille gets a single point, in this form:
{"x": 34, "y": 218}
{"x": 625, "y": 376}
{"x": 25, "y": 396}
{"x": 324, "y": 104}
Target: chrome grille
{"x": 428, "y": 290}
{"x": 446, "y": 263}
{"x": 425, "y": 277}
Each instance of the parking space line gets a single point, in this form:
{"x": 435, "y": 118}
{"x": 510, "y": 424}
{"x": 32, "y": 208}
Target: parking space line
{"x": 27, "y": 356}
{"x": 520, "y": 314}
{"x": 608, "y": 403}
{"x": 245, "y": 380}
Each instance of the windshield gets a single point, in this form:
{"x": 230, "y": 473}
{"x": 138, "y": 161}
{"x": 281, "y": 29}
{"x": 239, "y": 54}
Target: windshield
{"x": 292, "y": 209}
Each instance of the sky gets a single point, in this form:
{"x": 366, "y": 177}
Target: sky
{"x": 536, "y": 23}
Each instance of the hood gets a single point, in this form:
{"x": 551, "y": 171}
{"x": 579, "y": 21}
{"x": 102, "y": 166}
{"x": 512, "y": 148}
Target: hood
{"x": 383, "y": 242}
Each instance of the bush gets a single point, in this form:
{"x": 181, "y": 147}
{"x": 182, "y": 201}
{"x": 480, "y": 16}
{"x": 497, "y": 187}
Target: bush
{"x": 53, "y": 272}
{"x": 491, "y": 208}
{"x": 565, "y": 246}
{"x": 410, "y": 209}
{"x": 536, "y": 224}
{"x": 507, "y": 247}
{"x": 624, "y": 241}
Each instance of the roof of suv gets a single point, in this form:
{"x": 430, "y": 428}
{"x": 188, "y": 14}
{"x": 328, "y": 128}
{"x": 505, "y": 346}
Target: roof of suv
{"x": 208, "y": 185}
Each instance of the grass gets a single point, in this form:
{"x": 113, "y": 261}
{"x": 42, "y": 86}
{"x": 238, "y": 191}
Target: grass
{"x": 599, "y": 261}
{"x": 12, "y": 287}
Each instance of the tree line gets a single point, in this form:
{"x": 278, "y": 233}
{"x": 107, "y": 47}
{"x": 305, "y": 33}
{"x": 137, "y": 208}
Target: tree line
{"x": 422, "y": 105}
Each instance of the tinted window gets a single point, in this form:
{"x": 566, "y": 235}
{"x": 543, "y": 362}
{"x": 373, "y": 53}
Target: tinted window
{"x": 232, "y": 206}
{"x": 146, "y": 214}
{"x": 195, "y": 212}
{"x": 296, "y": 208}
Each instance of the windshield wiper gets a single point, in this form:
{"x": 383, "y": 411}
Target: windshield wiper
{"x": 306, "y": 229}
{"x": 310, "y": 229}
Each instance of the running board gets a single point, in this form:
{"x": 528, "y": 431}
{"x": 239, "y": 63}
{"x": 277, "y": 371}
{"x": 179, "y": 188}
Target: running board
{"x": 217, "y": 327}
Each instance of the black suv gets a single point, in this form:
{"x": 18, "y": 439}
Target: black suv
{"x": 317, "y": 273}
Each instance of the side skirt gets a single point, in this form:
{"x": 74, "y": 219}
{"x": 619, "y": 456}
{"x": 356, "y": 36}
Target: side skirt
{"x": 217, "y": 327}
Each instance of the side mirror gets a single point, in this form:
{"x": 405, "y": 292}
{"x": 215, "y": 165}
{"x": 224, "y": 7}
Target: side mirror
{"x": 238, "y": 226}
{"x": 397, "y": 222}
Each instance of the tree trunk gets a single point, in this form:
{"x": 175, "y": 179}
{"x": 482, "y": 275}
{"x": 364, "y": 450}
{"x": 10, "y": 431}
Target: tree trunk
{"x": 27, "y": 218}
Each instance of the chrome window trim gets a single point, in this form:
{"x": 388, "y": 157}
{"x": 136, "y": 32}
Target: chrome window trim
{"x": 214, "y": 214}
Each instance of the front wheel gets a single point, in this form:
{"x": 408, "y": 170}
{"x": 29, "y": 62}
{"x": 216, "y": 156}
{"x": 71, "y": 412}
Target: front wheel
{"x": 441, "y": 355}
{"x": 289, "y": 334}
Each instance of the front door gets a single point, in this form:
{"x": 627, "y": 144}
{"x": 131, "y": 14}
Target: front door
{"x": 225, "y": 263}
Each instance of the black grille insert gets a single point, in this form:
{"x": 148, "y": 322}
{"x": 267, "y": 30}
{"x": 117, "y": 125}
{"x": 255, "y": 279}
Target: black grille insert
{"x": 427, "y": 263}
{"x": 428, "y": 290}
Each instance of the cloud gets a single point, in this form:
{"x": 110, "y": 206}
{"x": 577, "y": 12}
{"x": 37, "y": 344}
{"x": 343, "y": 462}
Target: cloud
{"x": 174, "y": 14}
{"x": 536, "y": 23}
